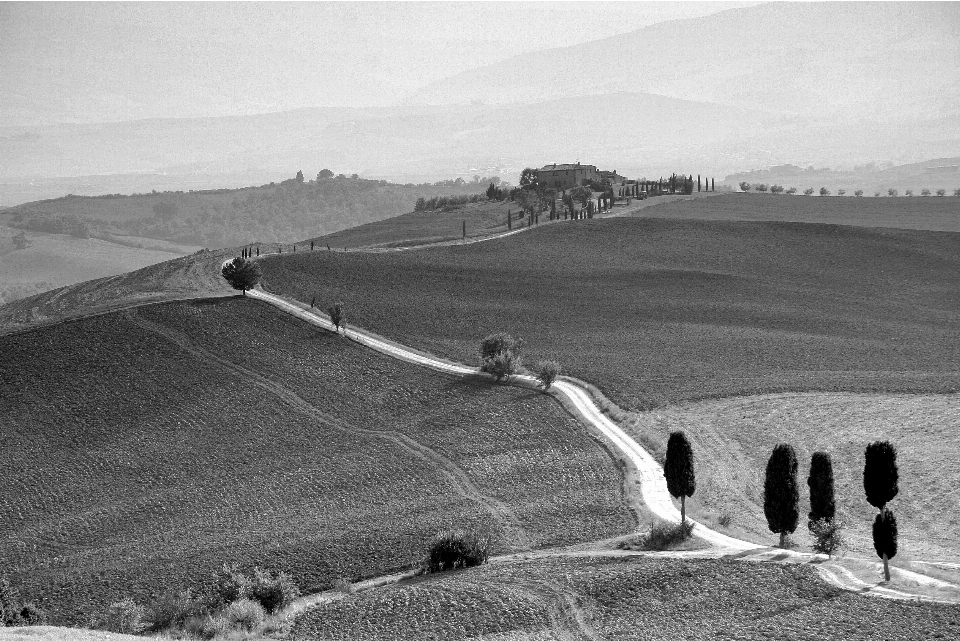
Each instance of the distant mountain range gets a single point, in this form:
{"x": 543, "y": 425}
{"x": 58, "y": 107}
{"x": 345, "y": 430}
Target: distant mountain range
{"x": 831, "y": 84}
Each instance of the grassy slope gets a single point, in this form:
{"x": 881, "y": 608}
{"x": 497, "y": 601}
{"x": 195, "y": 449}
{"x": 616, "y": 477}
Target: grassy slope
{"x": 733, "y": 438}
{"x": 932, "y": 213}
{"x": 145, "y": 448}
{"x": 427, "y": 226}
{"x": 656, "y": 311}
{"x": 633, "y": 598}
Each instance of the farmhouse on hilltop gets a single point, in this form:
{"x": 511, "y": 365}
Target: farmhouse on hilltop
{"x": 569, "y": 176}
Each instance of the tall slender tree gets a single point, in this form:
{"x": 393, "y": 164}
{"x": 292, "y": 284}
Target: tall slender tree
{"x": 880, "y": 474}
{"x": 678, "y": 469}
{"x": 885, "y": 539}
{"x": 780, "y": 495}
{"x": 820, "y": 481}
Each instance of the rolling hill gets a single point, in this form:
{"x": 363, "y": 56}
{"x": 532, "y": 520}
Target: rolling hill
{"x": 145, "y": 448}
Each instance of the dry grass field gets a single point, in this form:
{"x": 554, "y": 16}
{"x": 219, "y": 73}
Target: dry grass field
{"x": 930, "y": 213}
{"x": 732, "y": 440}
{"x": 657, "y": 311}
{"x": 624, "y": 598}
{"x": 142, "y": 449}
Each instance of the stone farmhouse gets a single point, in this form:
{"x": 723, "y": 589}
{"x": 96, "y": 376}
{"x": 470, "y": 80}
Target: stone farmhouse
{"x": 568, "y": 176}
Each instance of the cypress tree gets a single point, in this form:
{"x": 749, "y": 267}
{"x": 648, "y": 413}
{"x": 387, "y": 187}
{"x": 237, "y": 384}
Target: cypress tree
{"x": 780, "y": 495}
{"x": 885, "y": 539}
{"x": 714, "y": 182}
{"x": 311, "y": 245}
{"x": 820, "y": 481}
{"x": 258, "y": 250}
{"x": 678, "y": 469}
{"x": 698, "y": 183}
{"x": 880, "y": 474}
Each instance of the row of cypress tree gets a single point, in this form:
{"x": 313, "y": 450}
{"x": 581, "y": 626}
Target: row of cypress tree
{"x": 781, "y": 496}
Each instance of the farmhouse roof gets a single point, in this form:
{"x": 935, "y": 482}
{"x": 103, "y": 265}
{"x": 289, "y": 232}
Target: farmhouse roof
{"x": 564, "y": 167}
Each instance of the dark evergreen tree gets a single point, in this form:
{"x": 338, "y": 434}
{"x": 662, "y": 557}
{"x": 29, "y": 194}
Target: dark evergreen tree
{"x": 299, "y": 176}
{"x": 714, "y": 183}
{"x": 820, "y": 481}
{"x": 880, "y": 473}
{"x": 780, "y": 495}
{"x": 885, "y": 539}
{"x": 242, "y": 274}
{"x": 678, "y": 469}
{"x": 698, "y": 183}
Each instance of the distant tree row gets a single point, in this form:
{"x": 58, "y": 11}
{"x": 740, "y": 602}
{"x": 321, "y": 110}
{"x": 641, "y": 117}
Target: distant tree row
{"x": 445, "y": 203}
{"x": 777, "y": 189}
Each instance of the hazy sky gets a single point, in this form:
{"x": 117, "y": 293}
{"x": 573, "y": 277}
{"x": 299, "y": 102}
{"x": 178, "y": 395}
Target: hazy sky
{"x": 96, "y": 62}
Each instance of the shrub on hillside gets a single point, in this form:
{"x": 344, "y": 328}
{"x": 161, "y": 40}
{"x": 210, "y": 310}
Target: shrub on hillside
{"x": 547, "y": 372}
{"x": 14, "y": 612}
{"x": 776, "y": 189}
{"x": 924, "y": 192}
{"x": 892, "y": 192}
{"x": 941, "y": 192}
{"x": 662, "y": 536}
{"x": 500, "y": 355}
{"x": 745, "y": 186}
{"x": 909, "y": 192}
{"x": 858, "y": 193}
{"x": 827, "y": 536}
{"x": 231, "y": 584}
{"x": 792, "y": 191}
{"x": 824, "y": 191}
{"x": 762, "y": 187}
{"x": 173, "y": 608}
{"x": 841, "y": 192}
{"x": 808, "y": 191}
{"x": 457, "y": 549}
{"x": 272, "y": 589}
{"x": 125, "y": 616}
{"x": 245, "y": 614}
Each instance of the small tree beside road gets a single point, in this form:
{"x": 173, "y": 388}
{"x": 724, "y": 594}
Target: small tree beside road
{"x": 678, "y": 469}
{"x": 500, "y": 355}
{"x": 337, "y": 315}
{"x": 547, "y": 372}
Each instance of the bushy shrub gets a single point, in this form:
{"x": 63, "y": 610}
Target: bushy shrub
{"x": 892, "y": 192}
{"x": 909, "y": 192}
{"x": 827, "y": 536}
{"x": 858, "y": 193}
{"x": 457, "y": 549}
{"x": 725, "y": 520}
{"x": 664, "y": 536}
{"x": 125, "y": 616}
{"x": 808, "y": 191}
{"x": 792, "y": 190}
{"x": 245, "y": 614}
{"x": 824, "y": 191}
{"x": 745, "y": 186}
{"x": 941, "y": 192}
{"x": 500, "y": 355}
{"x": 547, "y": 372}
{"x": 231, "y": 584}
{"x": 13, "y": 612}
{"x": 274, "y": 590}
{"x": 776, "y": 189}
{"x": 173, "y": 608}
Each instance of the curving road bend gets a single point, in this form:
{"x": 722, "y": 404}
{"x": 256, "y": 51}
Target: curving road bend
{"x": 653, "y": 485}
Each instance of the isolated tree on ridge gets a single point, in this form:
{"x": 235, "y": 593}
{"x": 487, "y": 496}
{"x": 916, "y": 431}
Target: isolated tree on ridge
{"x": 820, "y": 481}
{"x": 324, "y": 173}
{"x": 745, "y": 186}
{"x": 780, "y": 495}
{"x": 678, "y": 470}
{"x": 242, "y": 273}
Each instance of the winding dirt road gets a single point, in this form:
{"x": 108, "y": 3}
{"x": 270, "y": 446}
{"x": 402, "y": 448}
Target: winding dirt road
{"x": 653, "y": 485}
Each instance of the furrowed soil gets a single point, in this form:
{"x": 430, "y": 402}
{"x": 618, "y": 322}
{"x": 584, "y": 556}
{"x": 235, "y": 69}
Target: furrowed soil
{"x": 733, "y": 438}
{"x": 656, "y": 311}
{"x": 624, "y": 598}
{"x": 931, "y": 213}
{"x": 145, "y": 448}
